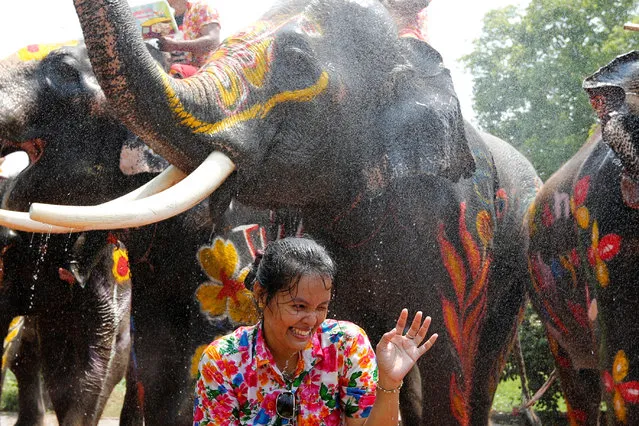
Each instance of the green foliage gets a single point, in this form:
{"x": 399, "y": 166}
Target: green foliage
{"x": 539, "y": 363}
{"x": 528, "y": 68}
{"x": 9, "y": 401}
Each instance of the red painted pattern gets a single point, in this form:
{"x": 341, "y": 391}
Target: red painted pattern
{"x": 464, "y": 316}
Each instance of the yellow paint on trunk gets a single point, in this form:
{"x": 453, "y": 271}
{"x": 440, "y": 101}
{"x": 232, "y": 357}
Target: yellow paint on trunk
{"x": 259, "y": 110}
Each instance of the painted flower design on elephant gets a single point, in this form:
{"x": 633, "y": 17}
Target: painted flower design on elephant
{"x": 463, "y": 317}
{"x": 15, "y": 328}
{"x": 225, "y": 294}
{"x": 623, "y": 392}
{"x": 121, "y": 270}
{"x": 601, "y": 250}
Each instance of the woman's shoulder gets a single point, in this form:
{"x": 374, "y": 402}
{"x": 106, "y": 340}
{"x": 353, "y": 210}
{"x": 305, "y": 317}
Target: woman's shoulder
{"x": 343, "y": 330}
{"x": 237, "y": 341}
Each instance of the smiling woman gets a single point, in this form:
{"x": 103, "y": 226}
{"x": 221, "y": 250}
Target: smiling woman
{"x": 297, "y": 367}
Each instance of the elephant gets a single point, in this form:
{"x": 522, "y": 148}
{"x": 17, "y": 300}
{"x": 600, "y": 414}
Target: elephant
{"x": 582, "y": 256}
{"x": 79, "y": 329}
{"x": 75, "y": 290}
{"x": 321, "y": 108}
{"x": 78, "y": 141}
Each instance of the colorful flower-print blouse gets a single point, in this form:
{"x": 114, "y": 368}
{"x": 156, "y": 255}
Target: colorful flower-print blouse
{"x": 198, "y": 14}
{"x": 238, "y": 380}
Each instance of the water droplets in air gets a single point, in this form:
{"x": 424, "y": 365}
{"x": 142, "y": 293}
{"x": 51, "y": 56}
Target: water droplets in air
{"x": 43, "y": 246}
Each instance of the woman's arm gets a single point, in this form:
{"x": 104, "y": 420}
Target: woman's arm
{"x": 208, "y": 40}
{"x": 396, "y": 355}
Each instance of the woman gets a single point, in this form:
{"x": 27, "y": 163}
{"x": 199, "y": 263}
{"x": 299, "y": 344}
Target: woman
{"x": 297, "y": 367}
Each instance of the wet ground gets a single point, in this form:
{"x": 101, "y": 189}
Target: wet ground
{"x": 9, "y": 419}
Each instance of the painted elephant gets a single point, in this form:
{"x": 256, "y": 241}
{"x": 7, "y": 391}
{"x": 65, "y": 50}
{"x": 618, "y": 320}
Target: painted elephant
{"x": 583, "y": 256}
{"x": 74, "y": 289}
{"x": 57, "y": 113}
{"x": 78, "y": 298}
{"x": 321, "y": 107}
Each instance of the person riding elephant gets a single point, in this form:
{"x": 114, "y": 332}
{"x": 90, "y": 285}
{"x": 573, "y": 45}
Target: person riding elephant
{"x": 582, "y": 256}
{"x": 320, "y": 107}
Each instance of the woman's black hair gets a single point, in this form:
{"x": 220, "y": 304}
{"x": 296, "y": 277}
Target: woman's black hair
{"x": 285, "y": 261}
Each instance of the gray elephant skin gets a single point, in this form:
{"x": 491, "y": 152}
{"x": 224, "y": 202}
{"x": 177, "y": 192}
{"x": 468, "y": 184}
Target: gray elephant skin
{"x": 583, "y": 256}
{"x": 324, "y": 109}
{"x": 74, "y": 289}
{"x": 79, "y": 150}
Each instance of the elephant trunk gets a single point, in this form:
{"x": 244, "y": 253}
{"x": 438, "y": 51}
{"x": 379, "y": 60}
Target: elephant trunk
{"x": 144, "y": 97}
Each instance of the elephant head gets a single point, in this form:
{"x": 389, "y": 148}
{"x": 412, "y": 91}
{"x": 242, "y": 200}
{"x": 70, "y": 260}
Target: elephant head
{"x": 614, "y": 93}
{"x": 53, "y": 109}
{"x": 309, "y": 96}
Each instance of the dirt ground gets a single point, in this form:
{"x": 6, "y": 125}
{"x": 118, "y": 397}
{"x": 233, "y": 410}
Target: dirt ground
{"x": 9, "y": 419}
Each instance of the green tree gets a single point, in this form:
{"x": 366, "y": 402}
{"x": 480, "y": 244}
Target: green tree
{"x": 528, "y": 67}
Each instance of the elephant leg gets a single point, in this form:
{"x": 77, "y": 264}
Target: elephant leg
{"x": 165, "y": 378}
{"x": 27, "y": 367}
{"x": 496, "y": 341}
{"x": 131, "y": 414}
{"x": 411, "y": 398}
{"x": 9, "y": 348}
{"x": 581, "y": 388}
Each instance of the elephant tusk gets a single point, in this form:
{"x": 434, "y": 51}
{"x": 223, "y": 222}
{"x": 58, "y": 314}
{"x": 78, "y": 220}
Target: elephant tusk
{"x": 169, "y": 177}
{"x": 20, "y": 221}
{"x": 12, "y": 164}
{"x": 172, "y": 201}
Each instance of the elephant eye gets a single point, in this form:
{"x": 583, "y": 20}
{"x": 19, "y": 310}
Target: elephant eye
{"x": 62, "y": 75}
{"x": 295, "y": 66}
{"x": 68, "y": 74}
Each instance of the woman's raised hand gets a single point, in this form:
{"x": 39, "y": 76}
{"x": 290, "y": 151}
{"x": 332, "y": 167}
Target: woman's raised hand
{"x": 397, "y": 352}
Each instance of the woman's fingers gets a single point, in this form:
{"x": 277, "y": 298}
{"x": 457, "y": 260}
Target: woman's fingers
{"x": 401, "y": 322}
{"x": 423, "y": 330}
{"x": 413, "y": 331}
{"x": 417, "y": 331}
{"x": 429, "y": 344}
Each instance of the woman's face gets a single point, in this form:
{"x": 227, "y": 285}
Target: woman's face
{"x": 292, "y": 316}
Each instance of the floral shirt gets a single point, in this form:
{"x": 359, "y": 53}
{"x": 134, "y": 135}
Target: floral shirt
{"x": 198, "y": 14}
{"x": 238, "y": 380}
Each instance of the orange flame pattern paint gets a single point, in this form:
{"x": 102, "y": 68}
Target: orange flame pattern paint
{"x": 463, "y": 316}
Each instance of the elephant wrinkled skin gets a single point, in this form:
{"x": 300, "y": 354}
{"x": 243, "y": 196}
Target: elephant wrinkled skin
{"x": 74, "y": 289}
{"x": 583, "y": 256}
{"x": 324, "y": 109}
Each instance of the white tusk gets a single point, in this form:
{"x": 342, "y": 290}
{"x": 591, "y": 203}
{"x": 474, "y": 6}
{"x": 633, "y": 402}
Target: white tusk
{"x": 20, "y": 221}
{"x": 187, "y": 193}
{"x": 12, "y": 164}
{"x": 169, "y": 177}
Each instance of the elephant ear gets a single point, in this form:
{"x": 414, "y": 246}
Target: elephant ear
{"x": 422, "y": 124}
{"x": 614, "y": 94}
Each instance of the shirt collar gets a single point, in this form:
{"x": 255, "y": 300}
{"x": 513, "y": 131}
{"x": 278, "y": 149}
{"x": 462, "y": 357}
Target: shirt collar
{"x": 311, "y": 354}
